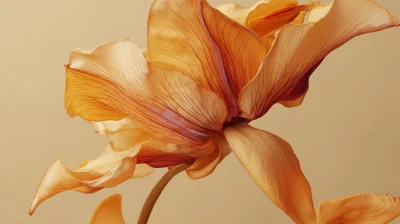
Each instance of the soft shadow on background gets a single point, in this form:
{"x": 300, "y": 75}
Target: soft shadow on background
{"x": 346, "y": 133}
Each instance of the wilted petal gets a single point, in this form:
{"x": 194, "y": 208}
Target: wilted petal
{"x": 108, "y": 170}
{"x": 274, "y": 167}
{"x": 298, "y": 49}
{"x": 241, "y": 49}
{"x": 109, "y": 211}
{"x": 205, "y": 165}
{"x": 113, "y": 82}
{"x": 178, "y": 39}
{"x": 361, "y": 208}
{"x": 238, "y": 13}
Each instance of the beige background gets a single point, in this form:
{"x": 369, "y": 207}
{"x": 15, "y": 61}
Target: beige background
{"x": 346, "y": 134}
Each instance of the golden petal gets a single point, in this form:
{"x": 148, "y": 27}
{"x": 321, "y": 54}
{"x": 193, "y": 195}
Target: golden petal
{"x": 361, "y": 208}
{"x": 274, "y": 167}
{"x": 109, "y": 211}
{"x": 238, "y": 13}
{"x": 241, "y": 49}
{"x": 299, "y": 49}
{"x": 108, "y": 170}
{"x": 190, "y": 48}
{"x": 113, "y": 82}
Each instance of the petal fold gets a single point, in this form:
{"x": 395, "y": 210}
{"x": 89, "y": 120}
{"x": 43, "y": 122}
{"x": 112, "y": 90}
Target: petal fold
{"x": 241, "y": 49}
{"x": 109, "y": 211}
{"x": 299, "y": 49}
{"x": 274, "y": 167}
{"x": 108, "y": 170}
{"x": 361, "y": 208}
{"x": 190, "y": 48}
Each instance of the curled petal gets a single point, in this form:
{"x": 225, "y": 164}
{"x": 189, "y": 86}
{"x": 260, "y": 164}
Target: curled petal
{"x": 274, "y": 167}
{"x": 298, "y": 49}
{"x": 113, "y": 82}
{"x": 109, "y": 211}
{"x": 241, "y": 49}
{"x": 205, "y": 165}
{"x": 108, "y": 170}
{"x": 361, "y": 208}
{"x": 190, "y": 48}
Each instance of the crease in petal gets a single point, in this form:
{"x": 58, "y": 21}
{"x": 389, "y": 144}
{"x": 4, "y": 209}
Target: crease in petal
{"x": 275, "y": 169}
{"x": 190, "y": 48}
{"x": 241, "y": 49}
{"x": 299, "y": 49}
{"x": 109, "y": 211}
{"x": 114, "y": 81}
{"x": 108, "y": 170}
{"x": 360, "y": 208}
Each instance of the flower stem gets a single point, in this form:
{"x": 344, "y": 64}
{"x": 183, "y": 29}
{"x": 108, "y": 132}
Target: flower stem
{"x": 157, "y": 189}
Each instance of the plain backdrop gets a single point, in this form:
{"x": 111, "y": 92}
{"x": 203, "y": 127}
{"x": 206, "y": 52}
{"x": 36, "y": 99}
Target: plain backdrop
{"x": 346, "y": 133}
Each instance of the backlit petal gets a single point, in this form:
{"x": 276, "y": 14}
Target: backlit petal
{"x": 205, "y": 165}
{"x": 238, "y": 13}
{"x": 114, "y": 79}
{"x": 109, "y": 211}
{"x": 108, "y": 170}
{"x": 241, "y": 49}
{"x": 178, "y": 39}
{"x": 361, "y": 208}
{"x": 274, "y": 167}
{"x": 298, "y": 49}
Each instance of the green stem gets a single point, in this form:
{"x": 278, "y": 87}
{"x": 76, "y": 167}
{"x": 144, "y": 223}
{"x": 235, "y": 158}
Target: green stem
{"x": 157, "y": 190}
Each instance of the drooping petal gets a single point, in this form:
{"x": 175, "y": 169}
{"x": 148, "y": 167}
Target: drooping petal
{"x": 205, "y": 165}
{"x": 238, "y": 13}
{"x": 241, "y": 49}
{"x": 178, "y": 39}
{"x": 108, "y": 170}
{"x": 274, "y": 167}
{"x": 109, "y": 211}
{"x": 361, "y": 208}
{"x": 113, "y": 82}
{"x": 298, "y": 49}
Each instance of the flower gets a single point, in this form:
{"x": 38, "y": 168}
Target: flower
{"x": 359, "y": 208}
{"x": 189, "y": 97}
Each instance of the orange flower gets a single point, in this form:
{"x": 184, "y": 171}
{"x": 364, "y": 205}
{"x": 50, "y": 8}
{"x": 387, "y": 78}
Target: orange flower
{"x": 189, "y": 97}
{"x": 361, "y": 208}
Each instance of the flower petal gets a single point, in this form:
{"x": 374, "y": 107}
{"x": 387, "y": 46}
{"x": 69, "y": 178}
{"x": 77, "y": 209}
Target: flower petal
{"x": 298, "y": 49}
{"x": 108, "y": 170}
{"x": 205, "y": 165}
{"x": 238, "y": 13}
{"x": 361, "y": 208}
{"x": 274, "y": 167}
{"x": 113, "y": 82}
{"x": 109, "y": 211}
{"x": 241, "y": 49}
{"x": 178, "y": 39}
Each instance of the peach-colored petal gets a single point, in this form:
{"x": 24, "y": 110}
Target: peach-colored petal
{"x": 241, "y": 49}
{"x": 108, "y": 170}
{"x": 238, "y": 13}
{"x": 109, "y": 211}
{"x": 274, "y": 167}
{"x": 298, "y": 49}
{"x": 205, "y": 165}
{"x": 114, "y": 79}
{"x": 268, "y": 8}
{"x": 159, "y": 153}
{"x": 361, "y": 208}
{"x": 178, "y": 39}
